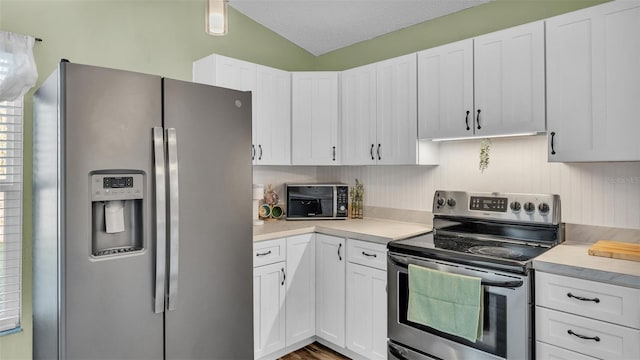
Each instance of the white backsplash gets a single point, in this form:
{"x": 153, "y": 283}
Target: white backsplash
{"x": 279, "y": 175}
{"x": 602, "y": 194}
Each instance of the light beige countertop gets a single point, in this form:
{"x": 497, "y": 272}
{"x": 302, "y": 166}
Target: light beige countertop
{"x": 573, "y": 259}
{"x": 368, "y": 229}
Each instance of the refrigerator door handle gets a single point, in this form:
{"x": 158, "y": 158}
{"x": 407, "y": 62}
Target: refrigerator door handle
{"x": 174, "y": 233}
{"x": 161, "y": 219}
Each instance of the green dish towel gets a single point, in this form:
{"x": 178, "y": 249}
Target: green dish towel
{"x": 447, "y": 302}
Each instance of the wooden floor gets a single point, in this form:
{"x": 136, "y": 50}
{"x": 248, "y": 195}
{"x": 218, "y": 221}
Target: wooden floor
{"x": 314, "y": 351}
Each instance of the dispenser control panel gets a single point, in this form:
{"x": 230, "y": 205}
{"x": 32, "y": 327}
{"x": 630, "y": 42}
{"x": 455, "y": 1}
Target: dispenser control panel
{"x": 107, "y": 187}
{"x": 113, "y": 182}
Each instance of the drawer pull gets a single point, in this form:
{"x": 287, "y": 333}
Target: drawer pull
{"x": 371, "y": 255}
{"x": 595, "y": 300}
{"x": 594, "y": 338}
{"x": 264, "y": 254}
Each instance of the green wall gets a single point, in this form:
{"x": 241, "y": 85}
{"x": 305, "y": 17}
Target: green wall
{"x": 496, "y": 15}
{"x": 164, "y": 36}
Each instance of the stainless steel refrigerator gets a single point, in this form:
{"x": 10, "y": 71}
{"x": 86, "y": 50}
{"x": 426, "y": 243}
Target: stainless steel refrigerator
{"x": 142, "y": 218}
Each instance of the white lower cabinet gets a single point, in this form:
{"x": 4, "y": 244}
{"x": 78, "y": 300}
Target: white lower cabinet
{"x": 367, "y": 299}
{"x": 268, "y": 305}
{"x": 580, "y": 319}
{"x": 317, "y": 286}
{"x": 367, "y": 311}
{"x": 330, "y": 288}
{"x": 283, "y": 294}
{"x": 301, "y": 289}
{"x": 546, "y": 351}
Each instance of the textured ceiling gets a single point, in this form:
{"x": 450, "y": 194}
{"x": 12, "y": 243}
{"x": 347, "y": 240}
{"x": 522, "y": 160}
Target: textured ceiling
{"x": 321, "y": 26}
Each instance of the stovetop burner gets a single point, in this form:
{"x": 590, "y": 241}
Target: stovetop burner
{"x": 496, "y": 251}
{"x": 492, "y": 248}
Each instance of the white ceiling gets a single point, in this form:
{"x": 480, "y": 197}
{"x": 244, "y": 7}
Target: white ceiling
{"x": 321, "y": 26}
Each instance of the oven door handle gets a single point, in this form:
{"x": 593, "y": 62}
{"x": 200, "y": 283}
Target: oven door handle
{"x": 396, "y": 352}
{"x": 501, "y": 284}
{"x": 396, "y": 262}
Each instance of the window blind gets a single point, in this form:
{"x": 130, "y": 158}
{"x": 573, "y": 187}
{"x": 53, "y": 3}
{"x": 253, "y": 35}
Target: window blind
{"x": 11, "y": 113}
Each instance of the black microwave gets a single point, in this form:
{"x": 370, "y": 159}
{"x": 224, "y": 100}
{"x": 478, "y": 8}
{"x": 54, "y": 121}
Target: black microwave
{"x": 317, "y": 201}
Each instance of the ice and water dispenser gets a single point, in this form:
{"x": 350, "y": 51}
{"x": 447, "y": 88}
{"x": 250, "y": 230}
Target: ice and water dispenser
{"x": 116, "y": 215}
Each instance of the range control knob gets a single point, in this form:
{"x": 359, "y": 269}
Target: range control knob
{"x": 543, "y": 208}
{"x": 529, "y": 207}
{"x": 451, "y": 202}
{"x": 440, "y": 201}
{"x": 342, "y": 208}
{"x": 515, "y": 207}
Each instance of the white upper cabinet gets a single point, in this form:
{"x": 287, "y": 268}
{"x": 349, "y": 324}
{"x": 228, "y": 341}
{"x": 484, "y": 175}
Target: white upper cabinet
{"x": 379, "y": 117}
{"x": 397, "y": 117}
{"x": 359, "y": 139}
{"x": 509, "y": 81}
{"x": 490, "y": 85}
{"x": 271, "y": 102}
{"x": 445, "y": 91}
{"x": 593, "y": 83}
{"x": 272, "y": 119}
{"x": 314, "y": 121}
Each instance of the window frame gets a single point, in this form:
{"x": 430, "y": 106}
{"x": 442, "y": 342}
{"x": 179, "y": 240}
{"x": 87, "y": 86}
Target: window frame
{"x": 11, "y": 209}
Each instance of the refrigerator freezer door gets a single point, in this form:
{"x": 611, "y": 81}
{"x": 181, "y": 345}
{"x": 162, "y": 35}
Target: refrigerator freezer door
{"x": 106, "y": 119}
{"x": 161, "y": 219}
{"x": 213, "y": 316}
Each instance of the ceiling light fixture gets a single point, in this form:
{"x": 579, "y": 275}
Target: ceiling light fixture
{"x": 217, "y": 17}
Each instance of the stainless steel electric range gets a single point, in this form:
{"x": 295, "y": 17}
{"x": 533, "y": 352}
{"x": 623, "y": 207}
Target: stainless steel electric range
{"x": 492, "y": 236}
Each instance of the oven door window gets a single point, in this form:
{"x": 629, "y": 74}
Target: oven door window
{"x": 494, "y": 332}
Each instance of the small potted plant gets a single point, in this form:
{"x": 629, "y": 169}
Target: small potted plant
{"x": 357, "y": 195}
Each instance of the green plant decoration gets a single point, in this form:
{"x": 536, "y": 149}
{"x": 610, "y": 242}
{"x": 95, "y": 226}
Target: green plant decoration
{"x": 485, "y": 148}
{"x": 357, "y": 195}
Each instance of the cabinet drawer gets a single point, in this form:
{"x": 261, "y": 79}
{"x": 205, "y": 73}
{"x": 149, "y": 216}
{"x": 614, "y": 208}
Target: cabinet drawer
{"x": 550, "y": 352}
{"x": 367, "y": 253}
{"x": 600, "y": 339}
{"x": 269, "y": 252}
{"x": 611, "y": 303}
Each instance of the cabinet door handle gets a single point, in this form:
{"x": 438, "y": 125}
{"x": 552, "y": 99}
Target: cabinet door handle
{"x": 284, "y": 277}
{"x": 370, "y": 255}
{"x": 339, "y": 247}
{"x": 379, "y": 152}
{"x": 371, "y": 152}
{"x": 253, "y": 152}
{"x": 334, "y": 153}
{"x": 594, "y": 338}
{"x": 478, "y": 120}
{"x": 260, "y": 156}
{"x": 595, "y": 300}
{"x": 466, "y": 120}
{"x": 553, "y": 135}
{"x": 264, "y": 254}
